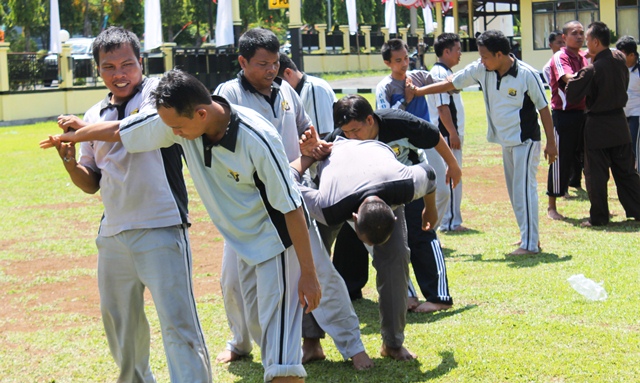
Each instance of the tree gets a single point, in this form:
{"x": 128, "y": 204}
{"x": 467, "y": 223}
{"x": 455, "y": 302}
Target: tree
{"x": 25, "y": 13}
{"x": 173, "y": 16}
{"x": 131, "y": 17}
{"x": 314, "y": 11}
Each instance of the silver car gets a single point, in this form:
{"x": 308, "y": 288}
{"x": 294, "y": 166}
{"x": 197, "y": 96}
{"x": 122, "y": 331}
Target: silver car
{"x": 82, "y": 60}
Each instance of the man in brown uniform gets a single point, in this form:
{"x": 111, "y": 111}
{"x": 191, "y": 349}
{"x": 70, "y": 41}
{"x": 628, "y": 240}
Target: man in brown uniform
{"x": 607, "y": 137}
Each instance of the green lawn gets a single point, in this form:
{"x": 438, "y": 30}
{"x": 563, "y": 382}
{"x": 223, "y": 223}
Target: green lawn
{"x": 514, "y": 319}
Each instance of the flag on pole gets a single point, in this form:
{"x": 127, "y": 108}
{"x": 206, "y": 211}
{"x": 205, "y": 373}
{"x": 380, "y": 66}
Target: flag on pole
{"x": 224, "y": 23}
{"x": 54, "y": 28}
{"x": 427, "y": 15}
{"x": 351, "y": 15}
{"x": 152, "y": 25}
{"x": 390, "y": 15}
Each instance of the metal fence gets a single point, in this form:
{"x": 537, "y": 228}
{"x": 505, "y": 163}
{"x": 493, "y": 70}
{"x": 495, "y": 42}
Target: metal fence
{"x": 33, "y": 71}
{"x": 25, "y": 70}
{"x": 209, "y": 65}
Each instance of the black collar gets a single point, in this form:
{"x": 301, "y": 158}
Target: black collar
{"x": 228, "y": 141}
{"x": 442, "y": 65}
{"x": 300, "y": 85}
{"x": 275, "y": 85}
{"x": 603, "y": 53}
{"x": 106, "y": 103}
{"x": 513, "y": 70}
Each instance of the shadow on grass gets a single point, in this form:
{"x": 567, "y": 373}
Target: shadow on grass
{"x": 368, "y": 314}
{"x": 453, "y": 233}
{"x": 386, "y": 370}
{"x": 247, "y": 369}
{"x": 529, "y": 260}
{"x": 580, "y": 194}
{"x": 628, "y": 226}
{"x": 414, "y": 318}
{"x": 325, "y": 371}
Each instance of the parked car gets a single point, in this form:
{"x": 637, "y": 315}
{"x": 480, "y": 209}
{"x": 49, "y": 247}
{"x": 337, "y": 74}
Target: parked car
{"x": 82, "y": 57}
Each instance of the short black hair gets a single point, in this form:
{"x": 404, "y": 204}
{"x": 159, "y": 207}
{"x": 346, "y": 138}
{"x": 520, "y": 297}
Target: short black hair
{"x": 553, "y": 35}
{"x": 375, "y": 221}
{"x": 181, "y": 91}
{"x": 257, "y": 38}
{"x": 627, "y": 44}
{"x": 286, "y": 63}
{"x": 445, "y": 41}
{"x": 391, "y": 46}
{"x": 600, "y": 31}
{"x": 495, "y": 41}
{"x": 349, "y": 108}
{"x": 567, "y": 26}
{"x": 111, "y": 39}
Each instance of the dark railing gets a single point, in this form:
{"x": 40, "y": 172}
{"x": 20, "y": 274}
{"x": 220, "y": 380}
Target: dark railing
{"x": 377, "y": 40}
{"x": 153, "y": 64}
{"x": 356, "y": 42}
{"x": 334, "y": 42}
{"x": 310, "y": 42}
{"x": 209, "y": 65}
{"x": 25, "y": 71}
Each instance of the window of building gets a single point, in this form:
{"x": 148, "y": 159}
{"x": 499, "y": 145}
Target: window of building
{"x": 552, "y": 15}
{"x": 628, "y": 18}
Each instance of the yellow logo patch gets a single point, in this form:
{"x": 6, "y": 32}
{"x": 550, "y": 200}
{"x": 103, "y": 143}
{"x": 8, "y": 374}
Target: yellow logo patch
{"x": 285, "y": 105}
{"x": 235, "y": 175}
{"x": 135, "y": 111}
{"x": 513, "y": 92}
{"x": 396, "y": 150}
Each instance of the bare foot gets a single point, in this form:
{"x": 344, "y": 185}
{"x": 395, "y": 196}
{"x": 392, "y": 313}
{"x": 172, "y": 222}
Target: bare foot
{"x": 520, "y": 243}
{"x": 521, "y": 251}
{"x": 361, "y": 361}
{"x": 412, "y": 303}
{"x": 554, "y": 215}
{"x": 287, "y": 379}
{"x": 586, "y": 224}
{"x": 430, "y": 307}
{"x": 399, "y": 353}
{"x": 461, "y": 228}
{"x": 227, "y": 356}
{"x": 312, "y": 350}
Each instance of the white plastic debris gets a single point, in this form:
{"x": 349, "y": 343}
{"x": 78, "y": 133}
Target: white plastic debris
{"x": 588, "y": 288}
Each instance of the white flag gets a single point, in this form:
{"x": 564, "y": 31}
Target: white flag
{"x": 224, "y": 23}
{"x": 351, "y": 15}
{"x": 152, "y": 25}
{"x": 428, "y": 19}
{"x": 390, "y": 16}
{"x": 449, "y": 25}
{"x": 54, "y": 29}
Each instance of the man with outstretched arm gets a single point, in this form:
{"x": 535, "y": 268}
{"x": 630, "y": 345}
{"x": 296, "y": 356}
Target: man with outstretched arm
{"x": 239, "y": 167}
{"x": 513, "y": 95}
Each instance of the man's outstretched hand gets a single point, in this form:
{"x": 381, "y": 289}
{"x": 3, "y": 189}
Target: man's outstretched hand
{"x": 312, "y": 146}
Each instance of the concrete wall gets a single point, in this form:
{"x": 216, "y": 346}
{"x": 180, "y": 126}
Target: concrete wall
{"x": 328, "y": 63}
{"x": 45, "y": 104}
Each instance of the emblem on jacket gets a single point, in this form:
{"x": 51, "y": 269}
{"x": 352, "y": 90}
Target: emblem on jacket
{"x": 285, "y": 105}
{"x": 513, "y": 92}
{"x": 235, "y": 175}
{"x": 396, "y": 150}
{"x": 135, "y": 111}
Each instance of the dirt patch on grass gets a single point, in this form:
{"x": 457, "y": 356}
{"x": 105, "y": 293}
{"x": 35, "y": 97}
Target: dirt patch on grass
{"x": 42, "y": 284}
{"x": 35, "y": 289}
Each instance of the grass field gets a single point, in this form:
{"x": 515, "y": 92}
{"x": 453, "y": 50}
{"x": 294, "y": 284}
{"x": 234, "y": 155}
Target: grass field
{"x": 515, "y": 319}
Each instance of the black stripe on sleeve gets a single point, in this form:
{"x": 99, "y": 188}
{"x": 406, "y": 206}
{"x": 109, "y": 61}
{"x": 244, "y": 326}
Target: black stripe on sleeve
{"x": 136, "y": 121}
